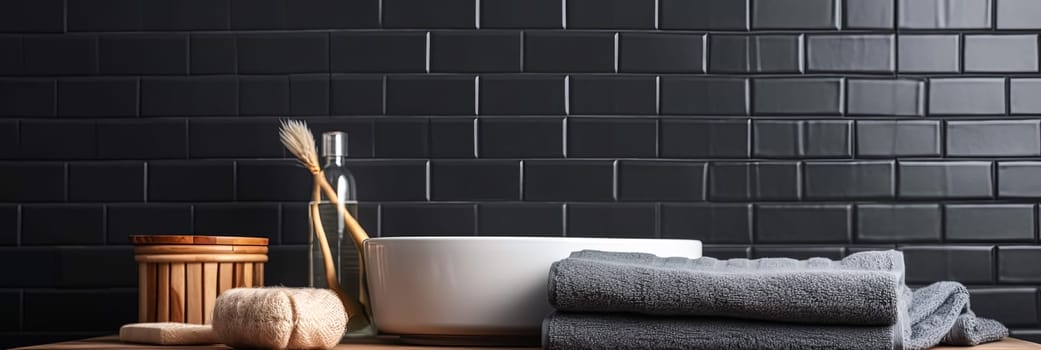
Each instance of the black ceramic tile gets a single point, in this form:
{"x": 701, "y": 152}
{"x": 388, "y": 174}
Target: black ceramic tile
{"x": 700, "y": 138}
{"x": 774, "y": 53}
{"x": 107, "y": 182}
{"x": 803, "y": 223}
{"x": 884, "y": 223}
{"x": 390, "y": 180}
{"x": 1012, "y": 306}
{"x": 359, "y": 133}
{"x": 613, "y": 95}
{"x": 9, "y": 218}
{"x": 296, "y": 226}
{"x": 60, "y": 55}
{"x": 893, "y": 138}
{"x": 868, "y": 14}
{"x": 924, "y": 179}
{"x": 522, "y": 95}
{"x": 356, "y": 94}
{"x": 11, "y": 62}
{"x": 428, "y": 219}
{"x": 842, "y": 180}
{"x": 833, "y": 253}
{"x": 798, "y": 96}
{"x": 453, "y": 137}
{"x": 475, "y": 180}
{"x": 520, "y": 219}
{"x": 309, "y": 95}
{"x": 103, "y": 15}
{"x": 704, "y": 14}
{"x": 401, "y": 138}
{"x": 213, "y": 53}
{"x": 283, "y": 53}
{"x": 327, "y": 14}
{"x": 77, "y": 267}
{"x": 625, "y": 14}
{"x": 809, "y": 138}
{"x": 389, "y": 52}
{"x": 1018, "y": 264}
{"x": 1018, "y": 14}
{"x": 101, "y": 310}
{"x": 98, "y": 97}
{"x": 9, "y": 139}
{"x": 745, "y": 181}
{"x": 657, "y": 181}
{"x": 956, "y": 96}
{"x": 125, "y": 220}
{"x": 142, "y": 139}
{"x": 1023, "y": 96}
{"x": 885, "y": 97}
{"x": 183, "y": 181}
{"x": 181, "y": 96}
{"x": 208, "y": 138}
{"x": 185, "y": 15}
{"x": 238, "y": 219}
{"x": 802, "y": 14}
{"x": 569, "y": 180}
{"x": 966, "y": 264}
{"x": 38, "y": 182}
{"x": 28, "y": 98}
{"x": 661, "y": 52}
{"x": 44, "y": 260}
{"x": 1018, "y": 179}
{"x": 145, "y": 54}
{"x": 943, "y": 14}
{"x": 520, "y": 137}
{"x": 569, "y": 52}
{"x": 267, "y": 96}
{"x": 1032, "y": 335}
{"x": 32, "y": 16}
{"x": 993, "y": 138}
{"x": 284, "y": 266}
{"x": 522, "y": 14}
{"x": 727, "y": 251}
{"x": 990, "y": 222}
{"x": 1001, "y": 53}
{"x": 430, "y": 95}
{"x": 37, "y": 139}
{"x": 272, "y": 180}
{"x": 478, "y": 51}
{"x": 929, "y": 53}
{"x": 692, "y": 95}
{"x": 425, "y": 14}
{"x": 851, "y": 53}
{"x": 612, "y": 220}
{"x": 612, "y": 137}
{"x": 710, "y": 223}
{"x": 258, "y": 14}
{"x": 11, "y": 310}
{"x": 63, "y": 224}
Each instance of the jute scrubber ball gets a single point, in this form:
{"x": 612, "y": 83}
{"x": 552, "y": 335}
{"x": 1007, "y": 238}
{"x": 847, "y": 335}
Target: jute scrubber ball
{"x": 279, "y": 318}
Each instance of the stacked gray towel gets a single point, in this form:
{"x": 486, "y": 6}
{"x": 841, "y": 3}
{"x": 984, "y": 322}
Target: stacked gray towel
{"x": 640, "y": 301}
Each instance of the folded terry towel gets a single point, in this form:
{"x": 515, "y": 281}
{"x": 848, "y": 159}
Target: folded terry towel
{"x": 929, "y": 316}
{"x": 862, "y": 289}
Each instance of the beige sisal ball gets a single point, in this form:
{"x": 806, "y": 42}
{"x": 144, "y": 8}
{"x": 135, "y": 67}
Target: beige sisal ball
{"x": 279, "y": 318}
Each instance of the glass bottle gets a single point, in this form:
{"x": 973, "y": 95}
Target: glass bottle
{"x": 345, "y": 255}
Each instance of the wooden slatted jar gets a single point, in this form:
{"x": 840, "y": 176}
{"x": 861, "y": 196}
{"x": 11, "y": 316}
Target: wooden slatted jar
{"x": 179, "y": 277}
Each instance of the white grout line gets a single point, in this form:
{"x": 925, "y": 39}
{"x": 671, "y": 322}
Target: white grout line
{"x": 657, "y": 12}
{"x": 563, "y": 14}
{"x": 477, "y": 95}
{"x": 614, "y": 180}
{"x": 428, "y": 180}
{"x": 616, "y": 52}
{"x": 657, "y": 95}
{"x": 563, "y": 221}
{"x": 567, "y": 95}
{"x": 563, "y": 144}
{"x": 704, "y": 53}
{"x": 477, "y": 14}
{"x": 476, "y": 126}
{"x": 521, "y": 180}
{"x": 428, "y": 53}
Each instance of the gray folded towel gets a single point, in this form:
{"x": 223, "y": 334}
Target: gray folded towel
{"x": 929, "y": 316}
{"x": 862, "y": 289}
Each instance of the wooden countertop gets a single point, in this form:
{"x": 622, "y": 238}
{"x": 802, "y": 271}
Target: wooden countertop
{"x": 389, "y": 343}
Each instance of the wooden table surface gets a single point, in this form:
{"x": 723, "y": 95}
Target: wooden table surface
{"x": 390, "y": 343}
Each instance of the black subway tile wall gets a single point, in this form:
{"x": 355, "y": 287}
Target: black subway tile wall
{"x": 762, "y": 127}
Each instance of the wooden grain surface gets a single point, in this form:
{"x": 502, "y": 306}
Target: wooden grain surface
{"x": 390, "y": 343}
{"x": 187, "y": 239}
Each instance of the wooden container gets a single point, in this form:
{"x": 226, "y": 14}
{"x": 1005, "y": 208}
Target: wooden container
{"x": 179, "y": 277}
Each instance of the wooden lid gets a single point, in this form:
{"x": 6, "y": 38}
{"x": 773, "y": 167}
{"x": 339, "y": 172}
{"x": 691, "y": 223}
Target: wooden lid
{"x": 179, "y": 239}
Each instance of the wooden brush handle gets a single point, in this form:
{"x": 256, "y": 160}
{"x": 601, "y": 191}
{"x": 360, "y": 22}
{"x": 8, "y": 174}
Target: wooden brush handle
{"x": 356, "y": 318}
{"x": 358, "y": 234}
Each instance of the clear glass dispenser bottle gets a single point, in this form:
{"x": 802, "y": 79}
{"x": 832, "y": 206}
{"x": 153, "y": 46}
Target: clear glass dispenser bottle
{"x": 345, "y": 254}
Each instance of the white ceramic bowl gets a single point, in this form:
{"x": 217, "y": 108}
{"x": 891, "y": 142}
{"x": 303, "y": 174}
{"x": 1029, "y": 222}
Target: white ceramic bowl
{"x": 477, "y": 286}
